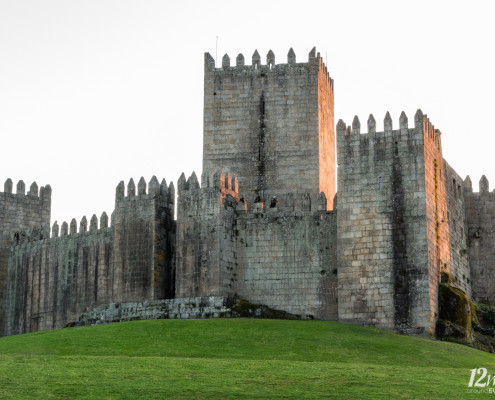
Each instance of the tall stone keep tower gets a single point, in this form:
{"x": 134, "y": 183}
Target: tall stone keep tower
{"x": 271, "y": 125}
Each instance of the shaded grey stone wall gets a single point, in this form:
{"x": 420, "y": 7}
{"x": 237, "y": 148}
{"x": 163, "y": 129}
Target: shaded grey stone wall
{"x": 144, "y": 240}
{"x": 17, "y": 212}
{"x": 480, "y": 215}
{"x": 53, "y": 278}
{"x": 459, "y": 256}
{"x": 281, "y": 255}
{"x": 205, "y": 228}
{"x": 401, "y": 220}
{"x": 286, "y": 257}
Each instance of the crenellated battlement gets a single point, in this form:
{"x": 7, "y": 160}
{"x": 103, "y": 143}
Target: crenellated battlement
{"x": 83, "y": 226}
{"x": 193, "y": 196}
{"x": 43, "y": 232}
{"x": 423, "y": 132}
{"x": 145, "y": 191}
{"x": 325, "y": 72}
{"x": 354, "y": 131}
{"x": 314, "y": 59}
{"x": 429, "y": 131}
{"x": 95, "y": 225}
{"x": 222, "y": 182}
{"x": 256, "y": 60}
{"x": 483, "y": 186}
{"x": 44, "y": 192}
{"x": 153, "y": 188}
{"x": 285, "y": 204}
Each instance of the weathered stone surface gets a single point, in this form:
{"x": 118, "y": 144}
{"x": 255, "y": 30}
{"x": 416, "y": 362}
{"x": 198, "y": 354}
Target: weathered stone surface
{"x": 184, "y": 308}
{"x": 272, "y": 126}
{"x": 18, "y": 212}
{"x": 52, "y": 280}
{"x": 194, "y": 307}
{"x": 391, "y": 237}
{"x": 265, "y": 225}
{"x": 458, "y": 230}
{"x": 282, "y": 256}
{"x": 479, "y": 239}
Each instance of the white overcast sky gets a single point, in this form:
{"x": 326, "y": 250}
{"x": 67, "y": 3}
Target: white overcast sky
{"x": 94, "y": 92}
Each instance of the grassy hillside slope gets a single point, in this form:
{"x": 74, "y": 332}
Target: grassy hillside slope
{"x": 236, "y": 358}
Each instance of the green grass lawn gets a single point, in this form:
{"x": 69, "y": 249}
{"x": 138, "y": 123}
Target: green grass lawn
{"x": 234, "y": 358}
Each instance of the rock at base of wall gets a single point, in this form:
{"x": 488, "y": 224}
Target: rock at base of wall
{"x": 454, "y": 313}
{"x": 464, "y": 321}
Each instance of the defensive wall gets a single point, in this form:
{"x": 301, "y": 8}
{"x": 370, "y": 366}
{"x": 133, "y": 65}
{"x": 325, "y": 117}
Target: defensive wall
{"x": 54, "y": 275}
{"x": 460, "y": 266}
{"x": 480, "y": 236}
{"x": 18, "y": 211}
{"x": 280, "y": 253}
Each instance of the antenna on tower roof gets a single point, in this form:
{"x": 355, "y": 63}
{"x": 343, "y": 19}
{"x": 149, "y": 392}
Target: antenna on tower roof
{"x": 216, "y": 52}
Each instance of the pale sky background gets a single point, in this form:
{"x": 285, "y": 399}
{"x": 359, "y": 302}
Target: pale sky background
{"x": 94, "y": 92}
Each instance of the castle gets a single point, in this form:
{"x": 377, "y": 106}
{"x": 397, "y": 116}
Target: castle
{"x": 266, "y": 223}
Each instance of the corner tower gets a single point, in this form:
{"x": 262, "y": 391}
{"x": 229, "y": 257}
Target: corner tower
{"x": 271, "y": 125}
{"x": 19, "y": 211}
{"x": 393, "y": 234}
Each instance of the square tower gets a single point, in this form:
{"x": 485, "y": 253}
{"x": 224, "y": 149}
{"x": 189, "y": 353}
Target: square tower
{"x": 19, "y": 211}
{"x": 271, "y": 125}
{"x": 393, "y": 234}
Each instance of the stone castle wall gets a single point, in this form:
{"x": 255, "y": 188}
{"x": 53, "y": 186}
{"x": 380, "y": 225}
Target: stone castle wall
{"x": 286, "y": 256}
{"x": 267, "y": 230}
{"x": 17, "y": 212}
{"x": 456, "y": 214}
{"x": 480, "y": 216}
{"x": 144, "y": 241}
{"x": 205, "y": 229}
{"x": 281, "y": 254}
{"x": 53, "y": 278}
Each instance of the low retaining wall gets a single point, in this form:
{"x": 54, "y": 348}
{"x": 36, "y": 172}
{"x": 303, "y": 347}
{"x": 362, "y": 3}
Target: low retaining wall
{"x": 183, "y": 308}
{"x": 194, "y": 307}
